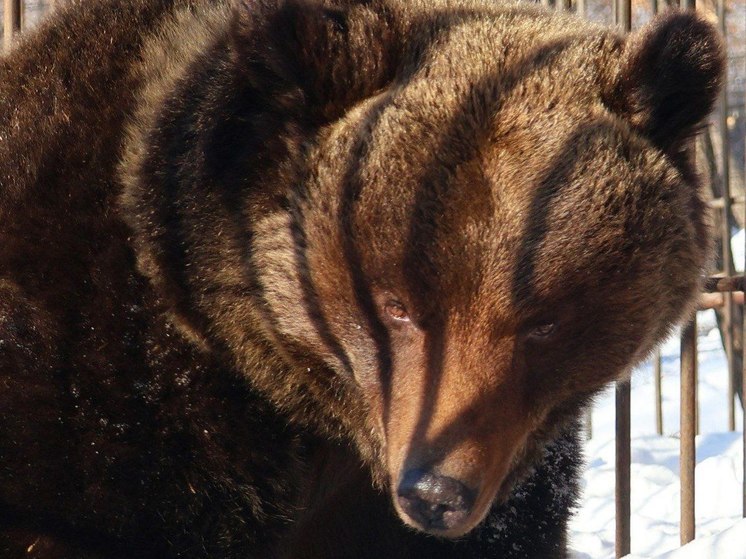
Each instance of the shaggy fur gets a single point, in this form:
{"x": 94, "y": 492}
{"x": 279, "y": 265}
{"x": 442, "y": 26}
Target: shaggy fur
{"x": 259, "y": 259}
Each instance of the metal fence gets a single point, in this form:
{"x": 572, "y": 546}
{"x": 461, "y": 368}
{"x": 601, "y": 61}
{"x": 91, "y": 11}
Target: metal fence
{"x": 723, "y": 291}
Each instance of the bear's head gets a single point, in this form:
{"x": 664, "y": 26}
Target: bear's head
{"x": 434, "y": 229}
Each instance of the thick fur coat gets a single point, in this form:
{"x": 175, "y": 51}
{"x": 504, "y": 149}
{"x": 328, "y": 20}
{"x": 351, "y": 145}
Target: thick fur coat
{"x": 305, "y": 278}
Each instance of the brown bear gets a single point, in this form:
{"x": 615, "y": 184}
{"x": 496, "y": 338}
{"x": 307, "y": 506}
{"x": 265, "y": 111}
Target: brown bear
{"x": 315, "y": 278}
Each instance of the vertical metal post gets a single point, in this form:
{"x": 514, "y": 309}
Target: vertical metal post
{"x": 687, "y": 417}
{"x": 687, "y": 458}
{"x": 623, "y": 458}
{"x": 11, "y": 21}
{"x": 658, "y": 393}
{"x": 725, "y": 234}
{"x": 581, "y": 8}
{"x": 622, "y": 14}
{"x": 625, "y": 15}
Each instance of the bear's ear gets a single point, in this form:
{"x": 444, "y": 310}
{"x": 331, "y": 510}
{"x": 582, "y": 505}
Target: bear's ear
{"x": 671, "y": 73}
{"x": 327, "y": 55}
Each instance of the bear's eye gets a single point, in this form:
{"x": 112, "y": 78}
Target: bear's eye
{"x": 542, "y": 331}
{"x": 396, "y": 310}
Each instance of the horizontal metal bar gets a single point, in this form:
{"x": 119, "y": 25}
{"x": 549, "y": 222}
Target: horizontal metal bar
{"x": 715, "y": 284}
{"x": 718, "y": 203}
{"x": 717, "y": 300}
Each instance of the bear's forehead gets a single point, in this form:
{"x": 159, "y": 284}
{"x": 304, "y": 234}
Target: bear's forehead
{"x": 532, "y": 208}
{"x": 472, "y": 109}
{"x": 482, "y": 178}
{"x": 492, "y": 163}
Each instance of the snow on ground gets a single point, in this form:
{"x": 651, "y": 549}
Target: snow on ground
{"x": 655, "y": 463}
{"x": 721, "y": 546}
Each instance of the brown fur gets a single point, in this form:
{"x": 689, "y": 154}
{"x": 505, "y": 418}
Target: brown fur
{"x": 257, "y": 260}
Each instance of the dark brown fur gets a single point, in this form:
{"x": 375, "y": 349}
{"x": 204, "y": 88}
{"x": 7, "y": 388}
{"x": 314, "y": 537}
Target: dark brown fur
{"x": 212, "y": 217}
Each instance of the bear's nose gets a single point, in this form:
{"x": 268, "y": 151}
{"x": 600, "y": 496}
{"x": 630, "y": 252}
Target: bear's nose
{"x": 434, "y": 502}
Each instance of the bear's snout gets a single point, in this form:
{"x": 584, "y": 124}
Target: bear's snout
{"x": 434, "y": 502}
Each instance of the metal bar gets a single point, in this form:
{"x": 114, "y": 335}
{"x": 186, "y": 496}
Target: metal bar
{"x": 581, "y": 8}
{"x": 658, "y": 393}
{"x": 716, "y": 188}
{"x": 623, "y": 18}
{"x": 688, "y": 421}
{"x": 715, "y": 284}
{"x": 625, "y": 14}
{"x": 623, "y": 458}
{"x": 718, "y": 203}
{"x": 688, "y": 406}
{"x": 725, "y": 233}
{"x": 11, "y": 21}
{"x": 717, "y": 300}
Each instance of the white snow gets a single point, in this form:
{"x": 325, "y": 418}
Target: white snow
{"x": 655, "y": 465}
{"x": 724, "y": 545}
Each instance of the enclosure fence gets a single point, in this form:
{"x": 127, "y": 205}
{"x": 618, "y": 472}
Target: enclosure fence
{"x": 722, "y": 291}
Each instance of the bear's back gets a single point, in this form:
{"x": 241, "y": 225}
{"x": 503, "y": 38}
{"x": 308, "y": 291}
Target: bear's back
{"x": 66, "y": 90}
